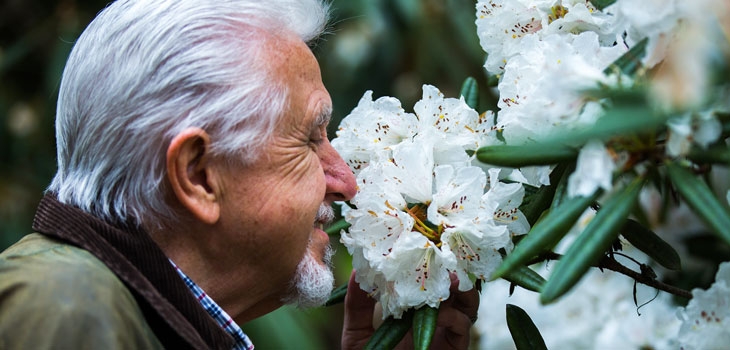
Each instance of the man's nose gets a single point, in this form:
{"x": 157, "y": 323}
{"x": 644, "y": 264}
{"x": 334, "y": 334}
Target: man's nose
{"x": 340, "y": 180}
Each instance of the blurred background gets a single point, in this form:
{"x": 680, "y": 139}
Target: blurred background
{"x": 389, "y": 46}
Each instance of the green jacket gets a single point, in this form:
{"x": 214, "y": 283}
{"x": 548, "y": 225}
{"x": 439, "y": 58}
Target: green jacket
{"x": 62, "y": 297}
{"x": 84, "y": 284}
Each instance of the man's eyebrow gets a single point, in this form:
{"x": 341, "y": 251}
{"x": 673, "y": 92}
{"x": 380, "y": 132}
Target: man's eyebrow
{"x": 325, "y": 114}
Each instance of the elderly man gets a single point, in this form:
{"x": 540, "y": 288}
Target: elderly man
{"x": 194, "y": 178}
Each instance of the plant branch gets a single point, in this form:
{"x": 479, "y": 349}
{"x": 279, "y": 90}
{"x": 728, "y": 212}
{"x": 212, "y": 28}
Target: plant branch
{"x": 610, "y": 263}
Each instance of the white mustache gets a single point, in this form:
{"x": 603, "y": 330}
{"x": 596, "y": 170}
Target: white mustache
{"x": 325, "y": 214}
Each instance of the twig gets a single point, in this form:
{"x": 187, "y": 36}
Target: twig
{"x": 613, "y": 265}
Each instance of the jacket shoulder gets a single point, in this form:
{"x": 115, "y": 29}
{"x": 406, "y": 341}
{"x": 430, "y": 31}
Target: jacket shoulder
{"x": 55, "y": 295}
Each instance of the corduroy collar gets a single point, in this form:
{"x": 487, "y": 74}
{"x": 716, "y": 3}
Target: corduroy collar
{"x": 177, "y": 319}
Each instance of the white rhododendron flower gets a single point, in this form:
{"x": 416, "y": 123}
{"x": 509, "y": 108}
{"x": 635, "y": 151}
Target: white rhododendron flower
{"x": 505, "y": 199}
{"x": 451, "y": 120}
{"x": 503, "y": 24}
{"x": 419, "y": 270}
{"x": 423, "y": 210}
{"x": 599, "y": 313}
{"x": 706, "y": 319}
{"x": 373, "y": 129}
{"x": 543, "y": 89}
{"x": 594, "y": 170}
{"x": 701, "y": 129}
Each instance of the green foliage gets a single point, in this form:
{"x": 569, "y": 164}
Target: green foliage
{"x": 630, "y": 62}
{"x": 390, "y": 332}
{"x": 536, "y": 203}
{"x": 701, "y": 199}
{"x": 602, "y": 4}
{"x": 525, "y": 277}
{"x": 524, "y": 332}
{"x": 337, "y": 296}
{"x": 336, "y": 227}
{"x": 525, "y": 155}
{"x": 591, "y": 245}
{"x": 287, "y": 327}
{"x": 470, "y": 92}
{"x": 651, "y": 244}
{"x": 424, "y": 326}
{"x": 545, "y": 234}
{"x": 718, "y": 154}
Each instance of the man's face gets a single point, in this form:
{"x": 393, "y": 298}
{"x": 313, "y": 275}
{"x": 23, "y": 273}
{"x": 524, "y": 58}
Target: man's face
{"x": 270, "y": 207}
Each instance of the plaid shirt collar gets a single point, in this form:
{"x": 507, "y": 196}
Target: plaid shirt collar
{"x": 215, "y": 311}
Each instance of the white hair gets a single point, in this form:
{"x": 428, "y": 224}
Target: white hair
{"x": 143, "y": 71}
{"x": 313, "y": 281}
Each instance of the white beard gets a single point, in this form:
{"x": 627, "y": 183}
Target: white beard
{"x": 313, "y": 281}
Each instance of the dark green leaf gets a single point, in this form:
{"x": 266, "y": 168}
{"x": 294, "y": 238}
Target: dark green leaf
{"x": 337, "y": 296}
{"x": 390, "y": 332}
{"x": 591, "y": 245}
{"x": 700, "y": 198}
{"x": 708, "y": 247}
{"x": 526, "y": 155}
{"x": 623, "y": 119}
{"x": 524, "y": 332}
{"x": 630, "y": 61}
{"x": 602, "y": 4}
{"x": 620, "y": 120}
{"x": 561, "y": 190}
{"x": 534, "y": 204}
{"x": 492, "y": 80}
{"x": 525, "y": 277}
{"x": 545, "y": 234}
{"x": 424, "y": 326}
{"x": 718, "y": 154}
{"x": 470, "y": 91}
{"x": 651, "y": 244}
{"x": 337, "y": 226}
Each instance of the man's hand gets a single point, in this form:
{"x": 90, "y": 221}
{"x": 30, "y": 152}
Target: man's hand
{"x": 456, "y": 316}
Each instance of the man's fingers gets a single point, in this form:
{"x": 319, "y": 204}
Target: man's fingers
{"x": 358, "y": 323}
{"x": 466, "y": 302}
{"x": 456, "y": 326}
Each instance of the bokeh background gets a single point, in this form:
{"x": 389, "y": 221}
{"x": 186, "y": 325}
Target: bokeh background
{"x": 389, "y": 46}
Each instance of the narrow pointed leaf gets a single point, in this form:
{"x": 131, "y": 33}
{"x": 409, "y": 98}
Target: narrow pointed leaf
{"x": 629, "y": 117}
{"x": 424, "y": 326}
{"x": 470, "y": 91}
{"x": 337, "y": 296}
{"x": 526, "y": 155}
{"x": 700, "y": 198}
{"x": 648, "y": 242}
{"x": 525, "y": 277}
{"x": 630, "y": 61}
{"x": 602, "y": 4}
{"x": 536, "y": 203}
{"x": 524, "y": 332}
{"x": 720, "y": 154}
{"x": 620, "y": 120}
{"x": 561, "y": 190}
{"x": 336, "y": 227}
{"x": 390, "y": 332}
{"x": 591, "y": 245}
{"x": 545, "y": 234}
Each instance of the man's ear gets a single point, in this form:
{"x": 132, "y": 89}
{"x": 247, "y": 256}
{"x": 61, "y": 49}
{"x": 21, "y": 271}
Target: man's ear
{"x": 192, "y": 176}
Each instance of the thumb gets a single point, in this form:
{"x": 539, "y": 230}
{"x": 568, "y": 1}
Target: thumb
{"x": 358, "y": 322}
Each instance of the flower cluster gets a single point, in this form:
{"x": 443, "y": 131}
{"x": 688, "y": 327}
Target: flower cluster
{"x": 706, "y": 319}
{"x": 598, "y": 314}
{"x": 604, "y": 311}
{"x": 546, "y": 54}
{"x": 424, "y": 207}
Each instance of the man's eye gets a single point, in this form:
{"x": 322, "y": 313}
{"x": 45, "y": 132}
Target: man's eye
{"x": 318, "y": 135}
